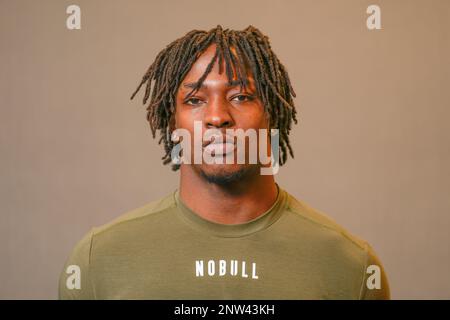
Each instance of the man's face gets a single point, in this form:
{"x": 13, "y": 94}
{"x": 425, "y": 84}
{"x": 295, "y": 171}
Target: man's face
{"x": 217, "y": 105}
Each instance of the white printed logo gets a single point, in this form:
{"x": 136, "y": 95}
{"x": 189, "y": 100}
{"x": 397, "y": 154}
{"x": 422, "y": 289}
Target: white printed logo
{"x": 223, "y": 267}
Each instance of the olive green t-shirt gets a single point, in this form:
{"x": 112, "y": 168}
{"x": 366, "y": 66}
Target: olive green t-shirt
{"x": 164, "y": 250}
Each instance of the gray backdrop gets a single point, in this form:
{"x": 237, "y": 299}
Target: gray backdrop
{"x": 372, "y": 145}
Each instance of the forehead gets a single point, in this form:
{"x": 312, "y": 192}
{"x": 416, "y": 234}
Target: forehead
{"x": 202, "y": 62}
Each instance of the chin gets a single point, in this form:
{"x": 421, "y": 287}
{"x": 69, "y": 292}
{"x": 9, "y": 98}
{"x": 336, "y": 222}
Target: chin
{"x": 226, "y": 174}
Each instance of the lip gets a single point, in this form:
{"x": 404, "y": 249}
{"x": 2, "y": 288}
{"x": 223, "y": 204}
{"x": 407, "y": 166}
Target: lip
{"x": 219, "y": 148}
{"x": 225, "y": 139}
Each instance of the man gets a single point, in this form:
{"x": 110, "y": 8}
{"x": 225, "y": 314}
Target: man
{"x": 229, "y": 231}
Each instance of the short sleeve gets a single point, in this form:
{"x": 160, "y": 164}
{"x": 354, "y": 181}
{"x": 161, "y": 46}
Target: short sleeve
{"x": 75, "y": 282}
{"x": 375, "y": 284}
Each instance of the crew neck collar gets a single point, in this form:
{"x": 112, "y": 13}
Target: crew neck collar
{"x": 259, "y": 223}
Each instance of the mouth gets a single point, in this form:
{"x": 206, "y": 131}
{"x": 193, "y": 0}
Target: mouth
{"x": 217, "y": 147}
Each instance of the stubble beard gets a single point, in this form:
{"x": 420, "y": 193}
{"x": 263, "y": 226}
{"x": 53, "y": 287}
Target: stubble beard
{"x": 225, "y": 178}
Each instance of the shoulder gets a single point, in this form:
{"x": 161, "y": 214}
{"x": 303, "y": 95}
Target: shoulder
{"x": 141, "y": 225}
{"x": 322, "y": 224}
{"x": 344, "y": 250}
{"x": 107, "y": 240}
{"x": 149, "y": 211}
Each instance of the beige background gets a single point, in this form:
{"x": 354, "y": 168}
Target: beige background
{"x": 372, "y": 146}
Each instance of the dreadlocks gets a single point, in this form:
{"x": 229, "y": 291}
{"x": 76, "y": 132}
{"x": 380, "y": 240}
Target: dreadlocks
{"x": 251, "y": 48}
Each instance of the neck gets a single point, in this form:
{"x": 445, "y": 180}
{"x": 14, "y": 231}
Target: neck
{"x": 233, "y": 203}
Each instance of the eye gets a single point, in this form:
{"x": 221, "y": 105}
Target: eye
{"x": 244, "y": 96}
{"x": 192, "y": 101}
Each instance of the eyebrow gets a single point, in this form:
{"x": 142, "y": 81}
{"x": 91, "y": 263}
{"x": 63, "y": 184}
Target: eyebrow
{"x": 232, "y": 84}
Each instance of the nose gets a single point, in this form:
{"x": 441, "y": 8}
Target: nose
{"x": 217, "y": 114}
